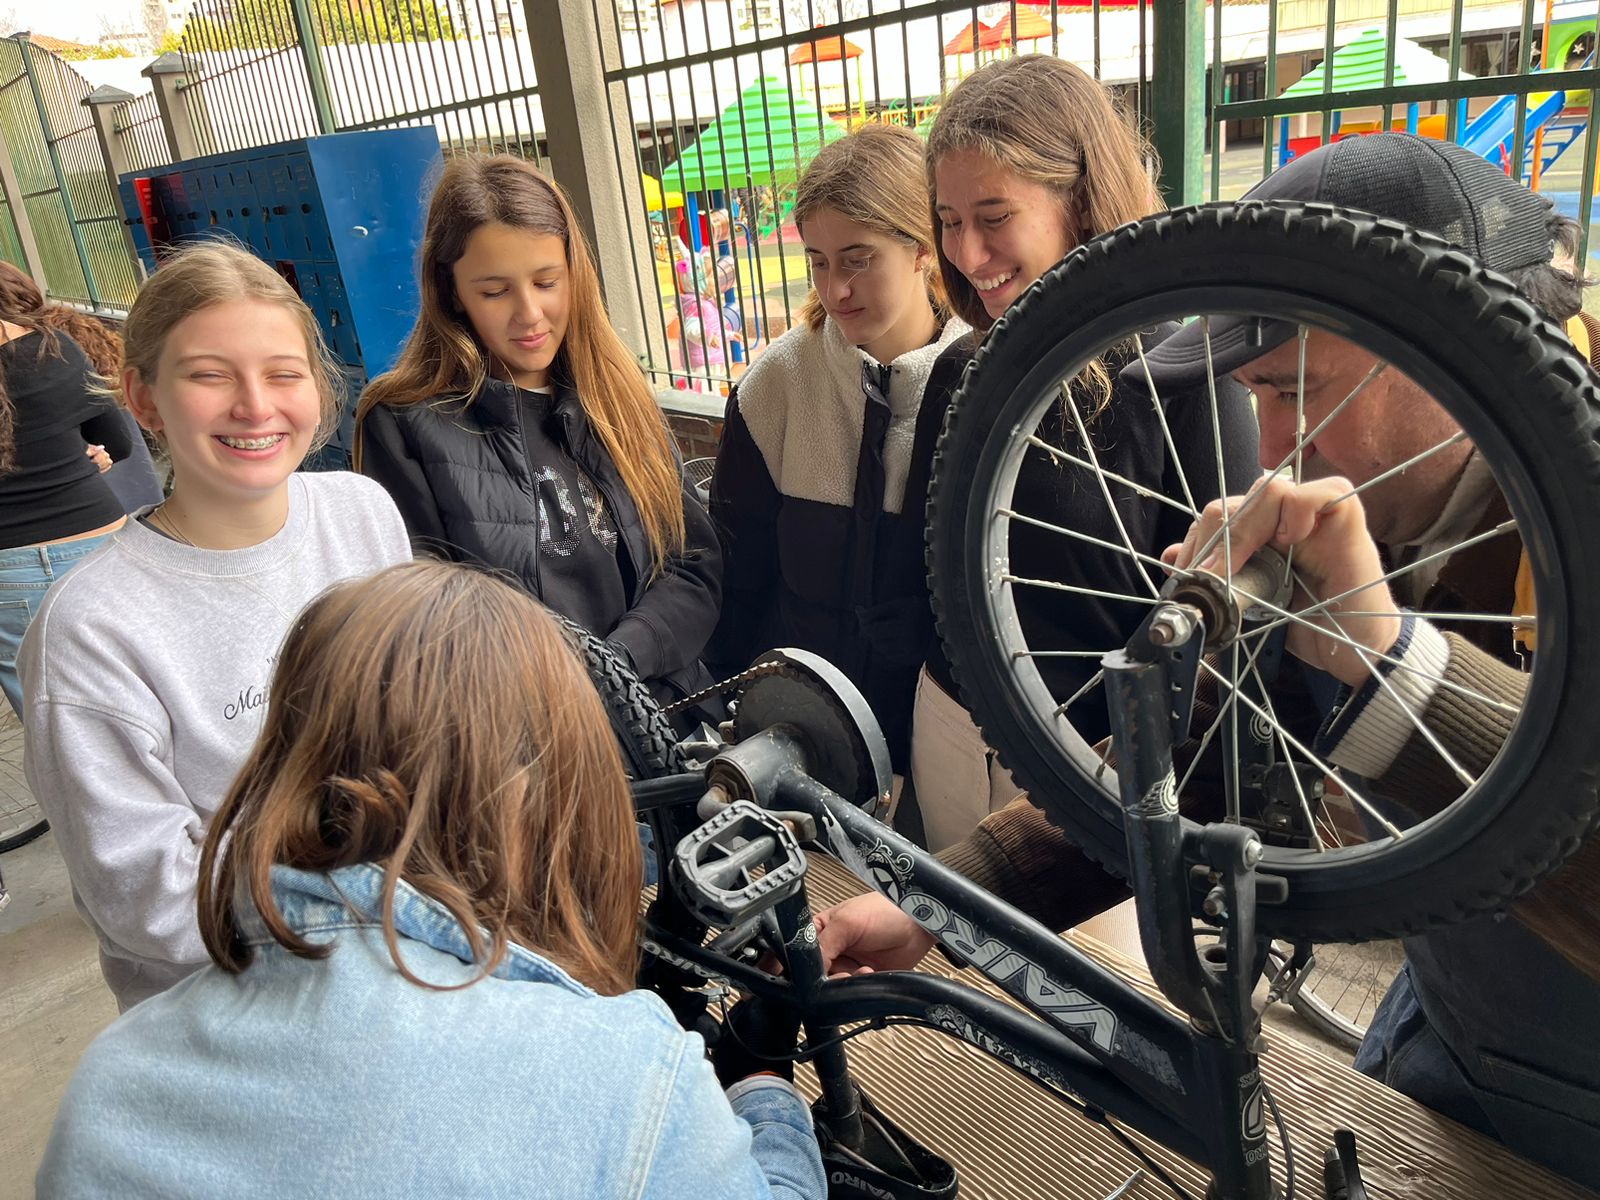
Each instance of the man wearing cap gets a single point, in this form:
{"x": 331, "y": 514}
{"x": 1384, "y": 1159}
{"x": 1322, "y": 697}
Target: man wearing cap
{"x": 1490, "y": 1022}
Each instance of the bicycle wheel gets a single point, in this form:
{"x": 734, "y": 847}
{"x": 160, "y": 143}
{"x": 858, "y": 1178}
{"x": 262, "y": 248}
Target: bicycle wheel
{"x": 1344, "y": 987}
{"x": 21, "y": 821}
{"x": 1449, "y": 331}
{"x": 644, "y": 735}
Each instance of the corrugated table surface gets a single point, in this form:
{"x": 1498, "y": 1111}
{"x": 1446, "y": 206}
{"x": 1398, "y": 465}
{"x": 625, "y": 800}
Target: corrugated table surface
{"x": 1011, "y": 1141}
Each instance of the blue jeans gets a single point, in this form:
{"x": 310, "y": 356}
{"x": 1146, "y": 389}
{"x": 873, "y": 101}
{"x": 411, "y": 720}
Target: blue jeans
{"x": 26, "y": 574}
{"x": 1491, "y": 1027}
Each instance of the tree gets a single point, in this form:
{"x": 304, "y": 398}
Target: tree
{"x": 269, "y": 24}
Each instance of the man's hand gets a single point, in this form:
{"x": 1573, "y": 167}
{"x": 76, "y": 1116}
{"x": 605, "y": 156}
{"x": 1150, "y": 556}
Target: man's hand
{"x": 1333, "y": 554}
{"x": 868, "y": 933}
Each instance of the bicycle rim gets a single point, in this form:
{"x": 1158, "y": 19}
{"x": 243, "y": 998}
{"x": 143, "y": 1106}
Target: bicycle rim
{"x": 1429, "y": 314}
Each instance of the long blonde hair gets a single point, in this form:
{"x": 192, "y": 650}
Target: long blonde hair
{"x": 214, "y": 271}
{"x": 435, "y": 721}
{"x": 874, "y": 178}
{"x": 443, "y": 355}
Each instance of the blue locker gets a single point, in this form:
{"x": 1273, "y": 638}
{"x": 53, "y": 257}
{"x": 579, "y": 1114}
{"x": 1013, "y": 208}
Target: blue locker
{"x": 338, "y": 216}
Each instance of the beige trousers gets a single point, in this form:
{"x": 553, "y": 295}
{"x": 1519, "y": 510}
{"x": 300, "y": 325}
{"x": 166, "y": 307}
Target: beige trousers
{"x": 959, "y": 779}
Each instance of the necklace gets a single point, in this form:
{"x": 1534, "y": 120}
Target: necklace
{"x": 162, "y": 520}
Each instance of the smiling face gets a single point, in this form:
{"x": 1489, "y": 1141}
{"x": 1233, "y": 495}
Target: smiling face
{"x": 999, "y": 230}
{"x": 1389, "y": 422}
{"x": 516, "y": 291}
{"x": 235, "y": 400}
{"x": 874, "y": 286}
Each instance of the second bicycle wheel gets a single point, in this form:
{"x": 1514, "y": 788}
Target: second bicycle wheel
{"x": 1361, "y": 858}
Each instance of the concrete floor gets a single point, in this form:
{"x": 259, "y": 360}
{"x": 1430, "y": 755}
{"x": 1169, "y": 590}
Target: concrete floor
{"x": 52, "y": 1004}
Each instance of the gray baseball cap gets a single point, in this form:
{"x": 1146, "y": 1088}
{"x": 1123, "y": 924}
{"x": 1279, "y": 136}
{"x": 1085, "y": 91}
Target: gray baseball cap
{"x": 1438, "y": 187}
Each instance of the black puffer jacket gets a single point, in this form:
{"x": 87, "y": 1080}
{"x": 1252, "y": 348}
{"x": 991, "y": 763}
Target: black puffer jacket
{"x": 461, "y": 475}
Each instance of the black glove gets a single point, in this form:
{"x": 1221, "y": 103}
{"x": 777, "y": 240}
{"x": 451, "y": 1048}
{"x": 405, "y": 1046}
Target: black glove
{"x": 758, "y": 1035}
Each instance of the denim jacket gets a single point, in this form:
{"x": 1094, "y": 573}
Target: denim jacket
{"x": 341, "y": 1078}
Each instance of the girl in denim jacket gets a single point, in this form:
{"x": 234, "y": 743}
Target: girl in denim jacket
{"x": 420, "y": 901}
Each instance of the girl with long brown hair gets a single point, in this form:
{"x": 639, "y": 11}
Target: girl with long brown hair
{"x": 55, "y": 505}
{"x": 1027, "y": 159}
{"x": 516, "y": 431}
{"x": 145, "y": 674}
{"x": 133, "y": 477}
{"x": 822, "y": 475}
{"x": 420, "y": 896}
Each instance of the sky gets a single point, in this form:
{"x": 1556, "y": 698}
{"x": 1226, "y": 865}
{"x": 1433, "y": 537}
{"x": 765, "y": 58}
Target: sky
{"x": 74, "y": 20}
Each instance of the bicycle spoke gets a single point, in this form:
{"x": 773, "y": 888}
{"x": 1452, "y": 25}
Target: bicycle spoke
{"x": 1034, "y": 439}
{"x": 1368, "y": 660}
{"x": 1299, "y": 788}
{"x": 1016, "y": 654}
{"x": 1231, "y": 778}
{"x": 1205, "y": 738}
{"x": 1400, "y": 469}
{"x": 1285, "y": 617}
{"x": 1216, "y": 447}
{"x": 1300, "y": 406}
{"x": 1054, "y": 586}
{"x": 1300, "y": 444}
{"x": 1492, "y": 618}
{"x": 1161, "y": 419}
{"x": 1322, "y": 605}
{"x": 1094, "y": 681}
{"x": 1105, "y": 488}
{"x": 1090, "y": 538}
{"x": 1299, "y": 430}
{"x": 1331, "y": 772}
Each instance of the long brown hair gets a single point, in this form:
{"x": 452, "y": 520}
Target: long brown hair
{"x": 23, "y": 304}
{"x": 435, "y": 721}
{"x": 216, "y": 271}
{"x": 443, "y": 355}
{"x": 1049, "y": 122}
{"x": 874, "y": 178}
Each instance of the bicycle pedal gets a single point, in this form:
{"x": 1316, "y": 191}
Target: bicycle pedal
{"x": 736, "y": 865}
{"x": 889, "y": 1165}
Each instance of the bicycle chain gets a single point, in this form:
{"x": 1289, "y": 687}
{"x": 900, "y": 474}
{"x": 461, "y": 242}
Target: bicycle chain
{"x": 726, "y": 685}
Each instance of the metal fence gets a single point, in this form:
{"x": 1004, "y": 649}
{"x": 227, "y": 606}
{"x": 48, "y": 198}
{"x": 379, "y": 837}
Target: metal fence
{"x": 727, "y": 99}
{"x": 61, "y": 178}
{"x": 267, "y": 71}
{"x": 137, "y": 125}
{"x": 1526, "y": 104}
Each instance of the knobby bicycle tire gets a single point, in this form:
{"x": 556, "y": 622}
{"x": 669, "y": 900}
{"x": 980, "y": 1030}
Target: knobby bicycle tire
{"x": 645, "y": 736}
{"x": 1527, "y": 400}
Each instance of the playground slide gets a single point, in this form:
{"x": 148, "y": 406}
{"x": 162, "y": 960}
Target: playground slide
{"x": 1490, "y": 135}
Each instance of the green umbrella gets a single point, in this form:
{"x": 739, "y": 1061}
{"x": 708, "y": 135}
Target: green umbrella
{"x": 767, "y": 137}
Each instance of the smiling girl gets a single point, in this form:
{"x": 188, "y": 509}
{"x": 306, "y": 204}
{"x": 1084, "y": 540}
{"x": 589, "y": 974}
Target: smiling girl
{"x": 822, "y": 476}
{"x": 145, "y": 672}
{"x": 1028, "y": 159}
{"x": 517, "y": 431}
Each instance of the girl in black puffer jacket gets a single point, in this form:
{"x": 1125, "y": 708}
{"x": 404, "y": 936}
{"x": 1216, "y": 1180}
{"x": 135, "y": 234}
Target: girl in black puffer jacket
{"x": 516, "y": 431}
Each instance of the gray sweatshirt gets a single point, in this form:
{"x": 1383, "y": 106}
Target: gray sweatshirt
{"x": 145, "y": 680}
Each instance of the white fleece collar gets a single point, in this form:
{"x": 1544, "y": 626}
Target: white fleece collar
{"x": 804, "y": 405}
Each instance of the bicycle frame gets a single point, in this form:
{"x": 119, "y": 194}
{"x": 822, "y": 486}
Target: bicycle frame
{"x": 1195, "y": 1086}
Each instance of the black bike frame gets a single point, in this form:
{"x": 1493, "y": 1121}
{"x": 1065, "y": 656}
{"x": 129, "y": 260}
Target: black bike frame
{"x": 1114, "y": 1048}
{"x": 1195, "y": 1085}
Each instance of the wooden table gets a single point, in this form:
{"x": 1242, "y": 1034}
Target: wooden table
{"x": 1011, "y": 1141}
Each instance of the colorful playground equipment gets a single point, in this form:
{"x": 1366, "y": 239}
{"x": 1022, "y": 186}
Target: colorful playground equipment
{"x": 1552, "y": 122}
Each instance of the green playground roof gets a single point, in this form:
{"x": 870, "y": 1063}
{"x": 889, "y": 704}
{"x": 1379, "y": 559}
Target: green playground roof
{"x": 766, "y": 136}
{"x": 1359, "y": 65}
